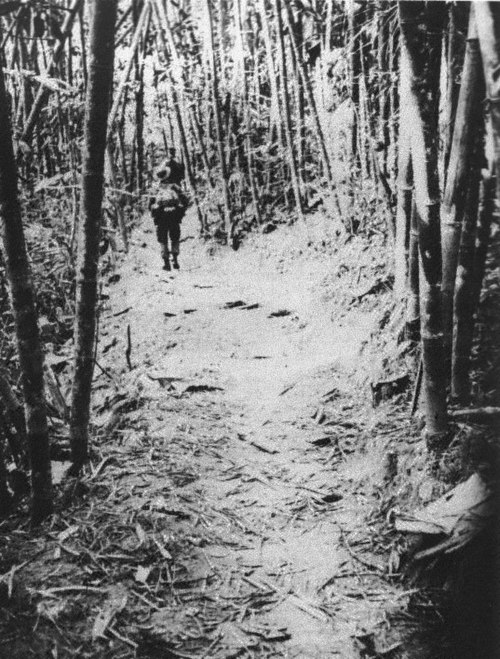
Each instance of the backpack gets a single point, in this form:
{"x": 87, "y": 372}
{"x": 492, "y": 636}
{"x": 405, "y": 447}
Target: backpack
{"x": 169, "y": 201}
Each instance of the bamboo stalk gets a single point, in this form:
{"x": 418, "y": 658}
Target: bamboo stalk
{"x": 488, "y": 28}
{"x": 412, "y": 324}
{"x": 325, "y": 160}
{"x": 405, "y": 187}
{"x": 214, "y": 80}
{"x": 128, "y": 64}
{"x": 43, "y": 92}
{"x": 161, "y": 20}
{"x": 422, "y": 48}
{"x": 25, "y": 319}
{"x": 99, "y": 90}
{"x": 463, "y": 300}
{"x": 467, "y": 124}
{"x": 285, "y": 101}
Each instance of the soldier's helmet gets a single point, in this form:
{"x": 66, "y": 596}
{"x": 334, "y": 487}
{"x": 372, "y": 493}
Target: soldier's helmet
{"x": 164, "y": 171}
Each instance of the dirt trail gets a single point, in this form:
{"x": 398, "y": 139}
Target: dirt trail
{"x": 232, "y": 357}
{"x": 224, "y": 515}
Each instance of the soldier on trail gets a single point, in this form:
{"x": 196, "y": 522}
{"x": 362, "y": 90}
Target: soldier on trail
{"x": 168, "y": 206}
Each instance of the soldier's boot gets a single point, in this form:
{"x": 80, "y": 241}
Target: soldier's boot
{"x": 165, "y": 255}
{"x": 175, "y": 261}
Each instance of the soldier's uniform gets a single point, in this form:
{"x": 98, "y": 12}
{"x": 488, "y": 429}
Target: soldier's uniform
{"x": 168, "y": 206}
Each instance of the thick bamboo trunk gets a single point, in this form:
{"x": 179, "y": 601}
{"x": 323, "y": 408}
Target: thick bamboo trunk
{"x": 488, "y": 28}
{"x": 421, "y": 39}
{"x": 297, "y": 109}
{"x": 382, "y": 90}
{"x": 485, "y": 214}
{"x": 404, "y": 184}
{"x": 394, "y": 103}
{"x": 468, "y": 123}
{"x": 25, "y": 319}
{"x": 5, "y": 496}
{"x": 463, "y": 302}
{"x": 468, "y": 285}
{"x": 99, "y": 89}
{"x": 412, "y": 325}
{"x": 454, "y": 61}
{"x": 354, "y": 56}
{"x": 139, "y": 103}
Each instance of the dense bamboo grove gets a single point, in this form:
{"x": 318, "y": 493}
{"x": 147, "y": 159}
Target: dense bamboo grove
{"x": 374, "y": 111}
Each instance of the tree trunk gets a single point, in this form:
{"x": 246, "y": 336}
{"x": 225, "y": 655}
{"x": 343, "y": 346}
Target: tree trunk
{"x": 421, "y": 39}
{"x": 285, "y": 101}
{"x": 139, "y": 102}
{"x": 275, "y": 116}
{"x": 394, "y": 102}
{"x": 5, "y": 496}
{"x": 354, "y": 76}
{"x": 247, "y": 113}
{"x": 412, "y": 325}
{"x": 382, "y": 88}
{"x": 454, "y": 57}
{"x": 142, "y": 20}
{"x": 405, "y": 184}
{"x": 99, "y": 89}
{"x": 226, "y": 207}
{"x": 485, "y": 214}
{"x": 25, "y": 319}
{"x": 468, "y": 285}
{"x": 488, "y": 28}
{"x": 468, "y": 123}
{"x": 463, "y": 302}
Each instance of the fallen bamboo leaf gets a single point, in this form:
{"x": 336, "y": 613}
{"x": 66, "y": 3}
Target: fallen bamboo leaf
{"x": 470, "y": 500}
{"x": 249, "y": 307}
{"x": 50, "y": 610}
{"x": 141, "y": 534}
{"x": 280, "y": 313}
{"x": 116, "y": 602}
{"x": 198, "y": 388}
{"x": 320, "y": 442}
{"x": 50, "y": 592}
{"x": 119, "y": 313}
{"x": 142, "y": 574}
{"x": 67, "y": 533}
{"x": 163, "y": 550}
{"x": 265, "y": 448}
{"x": 233, "y": 305}
{"x": 460, "y": 515}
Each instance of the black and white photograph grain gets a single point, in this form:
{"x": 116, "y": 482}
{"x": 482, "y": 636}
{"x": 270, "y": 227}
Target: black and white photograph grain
{"x": 249, "y": 329}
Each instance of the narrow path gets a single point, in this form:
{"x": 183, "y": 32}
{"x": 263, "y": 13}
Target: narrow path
{"x": 230, "y": 358}
{"x": 233, "y": 480}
